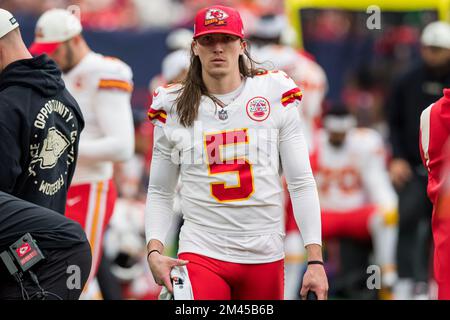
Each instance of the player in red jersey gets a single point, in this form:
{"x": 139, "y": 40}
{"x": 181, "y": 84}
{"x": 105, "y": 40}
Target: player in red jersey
{"x": 435, "y": 151}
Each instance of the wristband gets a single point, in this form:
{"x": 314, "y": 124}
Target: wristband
{"x": 315, "y": 262}
{"x": 151, "y": 251}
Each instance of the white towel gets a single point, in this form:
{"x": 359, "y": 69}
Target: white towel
{"x": 182, "y": 289}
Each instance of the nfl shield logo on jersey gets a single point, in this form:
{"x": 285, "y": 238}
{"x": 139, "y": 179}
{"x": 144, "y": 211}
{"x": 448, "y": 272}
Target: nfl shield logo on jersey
{"x": 223, "y": 115}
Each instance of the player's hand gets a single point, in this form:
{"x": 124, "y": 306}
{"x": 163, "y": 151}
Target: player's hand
{"x": 161, "y": 266}
{"x": 400, "y": 172}
{"x": 315, "y": 279}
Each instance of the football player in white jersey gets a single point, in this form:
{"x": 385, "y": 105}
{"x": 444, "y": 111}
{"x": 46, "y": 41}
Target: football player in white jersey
{"x": 356, "y": 196}
{"x": 227, "y": 131}
{"x": 274, "y": 49}
{"x": 102, "y": 87}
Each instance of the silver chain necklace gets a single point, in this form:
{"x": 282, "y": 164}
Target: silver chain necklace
{"x": 223, "y": 113}
{"x": 222, "y": 104}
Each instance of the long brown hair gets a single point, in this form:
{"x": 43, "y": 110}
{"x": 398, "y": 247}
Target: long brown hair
{"x": 193, "y": 87}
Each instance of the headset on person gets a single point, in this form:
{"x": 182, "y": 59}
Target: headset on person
{"x": 21, "y": 256}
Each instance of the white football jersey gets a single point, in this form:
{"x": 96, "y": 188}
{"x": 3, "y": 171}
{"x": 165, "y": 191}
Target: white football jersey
{"x": 230, "y": 168}
{"x": 307, "y": 74}
{"x": 94, "y": 74}
{"x": 354, "y": 174}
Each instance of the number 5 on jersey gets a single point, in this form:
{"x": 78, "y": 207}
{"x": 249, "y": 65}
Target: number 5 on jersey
{"x": 219, "y": 164}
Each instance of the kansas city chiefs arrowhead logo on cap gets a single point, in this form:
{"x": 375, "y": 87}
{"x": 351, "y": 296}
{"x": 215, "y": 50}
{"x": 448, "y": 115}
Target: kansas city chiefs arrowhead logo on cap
{"x": 215, "y": 16}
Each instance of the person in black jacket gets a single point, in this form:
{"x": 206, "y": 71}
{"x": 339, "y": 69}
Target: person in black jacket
{"x": 411, "y": 94}
{"x": 67, "y": 263}
{"x": 40, "y": 123}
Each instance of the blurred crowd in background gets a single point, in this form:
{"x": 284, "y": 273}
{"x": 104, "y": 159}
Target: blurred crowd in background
{"x": 360, "y": 67}
{"x": 139, "y": 14}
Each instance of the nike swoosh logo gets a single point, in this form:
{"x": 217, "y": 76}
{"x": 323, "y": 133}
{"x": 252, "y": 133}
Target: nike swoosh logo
{"x": 71, "y": 202}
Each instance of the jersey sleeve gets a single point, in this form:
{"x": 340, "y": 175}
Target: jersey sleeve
{"x": 290, "y": 94}
{"x": 158, "y": 111}
{"x": 115, "y": 75}
{"x": 315, "y": 85}
{"x": 297, "y": 170}
{"x": 164, "y": 175}
{"x": 374, "y": 171}
{"x": 424, "y": 136}
{"x": 116, "y": 122}
{"x": 434, "y": 142}
{"x": 113, "y": 115}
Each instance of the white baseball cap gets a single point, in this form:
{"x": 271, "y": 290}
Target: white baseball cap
{"x": 53, "y": 28}
{"x": 174, "y": 63}
{"x": 436, "y": 34}
{"x": 7, "y": 22}
{"x": 180, "y": 39}
{"x": 269, "y": 26}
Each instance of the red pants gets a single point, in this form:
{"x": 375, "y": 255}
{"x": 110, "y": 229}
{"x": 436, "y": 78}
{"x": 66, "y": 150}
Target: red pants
{"x": 92, "y": 205}
{"x": 353, "y": 223}
{"x": 441, "y": 237}
{"x": 214, "y": 279}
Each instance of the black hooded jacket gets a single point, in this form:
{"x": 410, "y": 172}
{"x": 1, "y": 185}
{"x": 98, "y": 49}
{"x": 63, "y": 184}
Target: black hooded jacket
{"x": 411, "y": 93}
{"x": 40, "y": 126}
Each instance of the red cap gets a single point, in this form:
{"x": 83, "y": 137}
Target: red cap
{"x": 54, "y": 27}
{"x": 39, "y": 48}
{"x": 218, "y": 19}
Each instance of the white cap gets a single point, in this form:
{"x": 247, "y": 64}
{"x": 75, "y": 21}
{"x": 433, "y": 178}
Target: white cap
{"x": 289, "y": 36}
{"x": 436, "y": 34}
{"x": 179, "y": 39}
{"x": 270, "y": 26}
{"x": 7, "y": 22}
{"x": 54, "y": 27}
{"x": 174, "y": 63}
